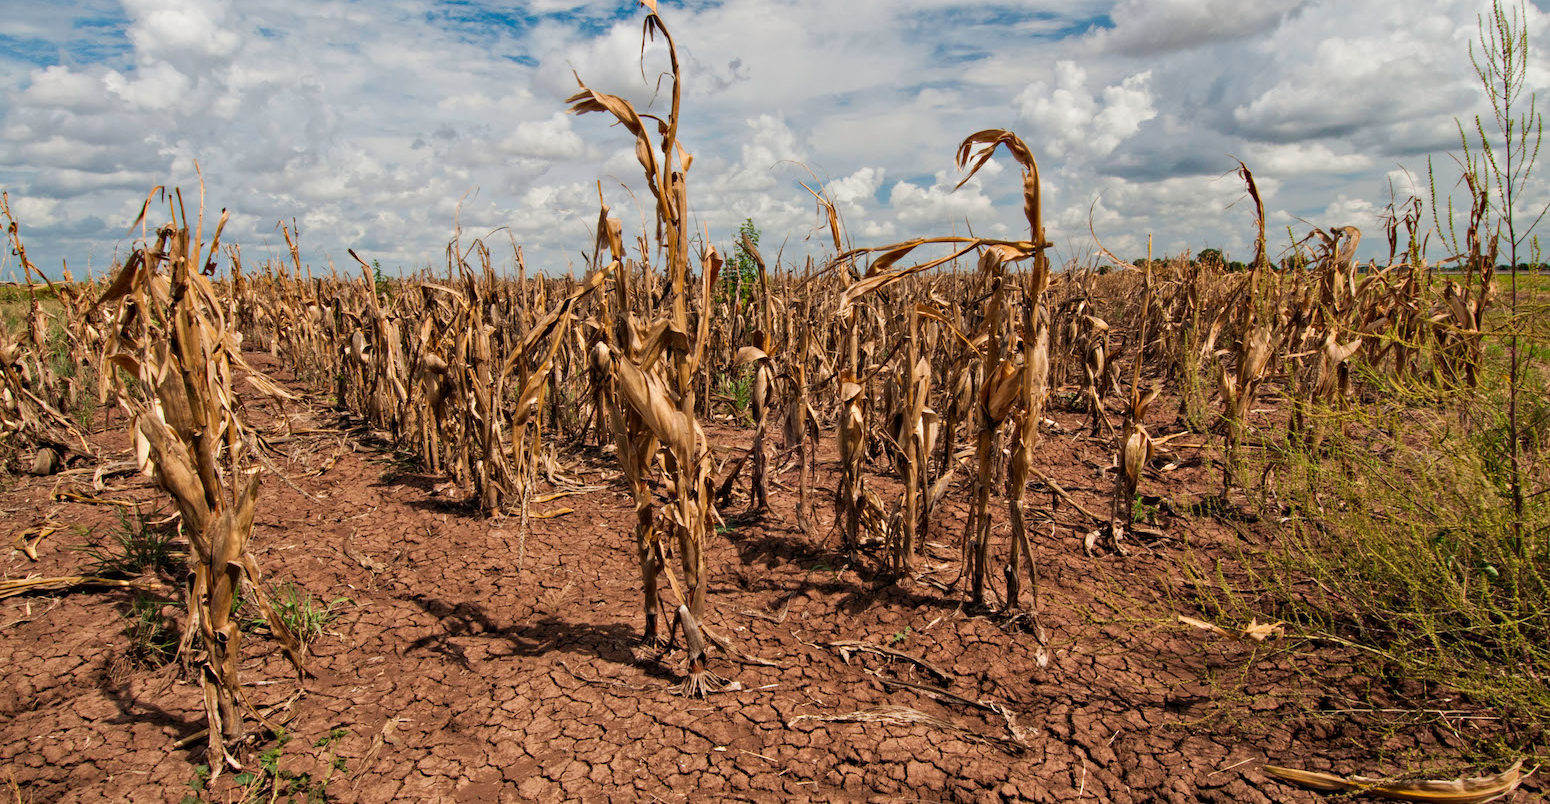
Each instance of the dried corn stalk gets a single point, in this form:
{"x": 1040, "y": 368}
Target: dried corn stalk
{"x": 1450, "y": 791}
{"x": 1009, "y": 387}
{"x": 656, "y": 375}
{"x": 34, "y": 400}
{"x": 173, "y": 336}
{"x": 1133, "y": 444}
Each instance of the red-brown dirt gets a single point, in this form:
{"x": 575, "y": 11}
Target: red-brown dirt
{"x": 466, "y": 663}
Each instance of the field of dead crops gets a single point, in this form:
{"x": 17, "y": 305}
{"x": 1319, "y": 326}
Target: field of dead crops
{"x": 930, "y": 520}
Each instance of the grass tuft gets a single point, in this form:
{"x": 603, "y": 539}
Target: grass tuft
{"x": 136, "y": 547}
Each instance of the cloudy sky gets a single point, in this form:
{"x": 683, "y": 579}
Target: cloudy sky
{"x": 377, "y": 125}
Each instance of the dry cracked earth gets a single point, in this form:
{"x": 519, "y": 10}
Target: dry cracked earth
{"x": 470, "y": 659}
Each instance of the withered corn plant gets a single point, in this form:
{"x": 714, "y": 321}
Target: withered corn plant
{"x": 1458, "y": 321}
{"x": 1004, "y": 389}
{"x": 457, "y": 370}
{"x": 1020, "y": 391}
{"x": 656, "y": 364}
{"x": 1254, "y": 345}
{"x": 636, "y": 442}
{"x": 800, "y": 429}
{"x": 172, "y": 334}
{"x": 1133, "y": 446}
{"x": 914, "y": 434}
{"x": 857, "y": 509}
{"x": 1026, "y": 422}
{"x": 851, "y": 509}
{"x": 760, "y": 356}
{"x": 43, "y": 369}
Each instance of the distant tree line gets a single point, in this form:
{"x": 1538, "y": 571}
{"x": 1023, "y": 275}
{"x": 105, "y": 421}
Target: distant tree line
{"x": 1212, "y": 257}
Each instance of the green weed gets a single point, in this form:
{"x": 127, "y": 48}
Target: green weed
{"x": 135, "y": 547}
{"x": 304, "y": 615}
{"x": 1398, "y": 538}
{"x": 153, "y": 634}
{"x": 199, "y": 784}
{"x": 271, "y": 782}
{"x": 735, "y": 388}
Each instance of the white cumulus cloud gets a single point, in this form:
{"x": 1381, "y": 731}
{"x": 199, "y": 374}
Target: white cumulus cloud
{"x": 375, "y": 126}
{"x": 1071, "y": 119}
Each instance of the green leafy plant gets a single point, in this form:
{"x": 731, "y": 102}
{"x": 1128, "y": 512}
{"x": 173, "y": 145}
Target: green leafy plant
{"x": 742, "y": 273}
{"x": 153, "y": 634}
{"x": 1499, "y": 157}
{"x": 198, "y": 784}
{"x": 735, "y": 388}
{"x": 134, "y": 548}
{"x": 1144, "y": 511}
{"x": 270, "y": 781}
{"x": 1401, "y": 525}
{"x": 333, "y": 736}
{"x": 303, "y": 614}
{"x": 383, "y": 285}
{"x": 900, "y": 637}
